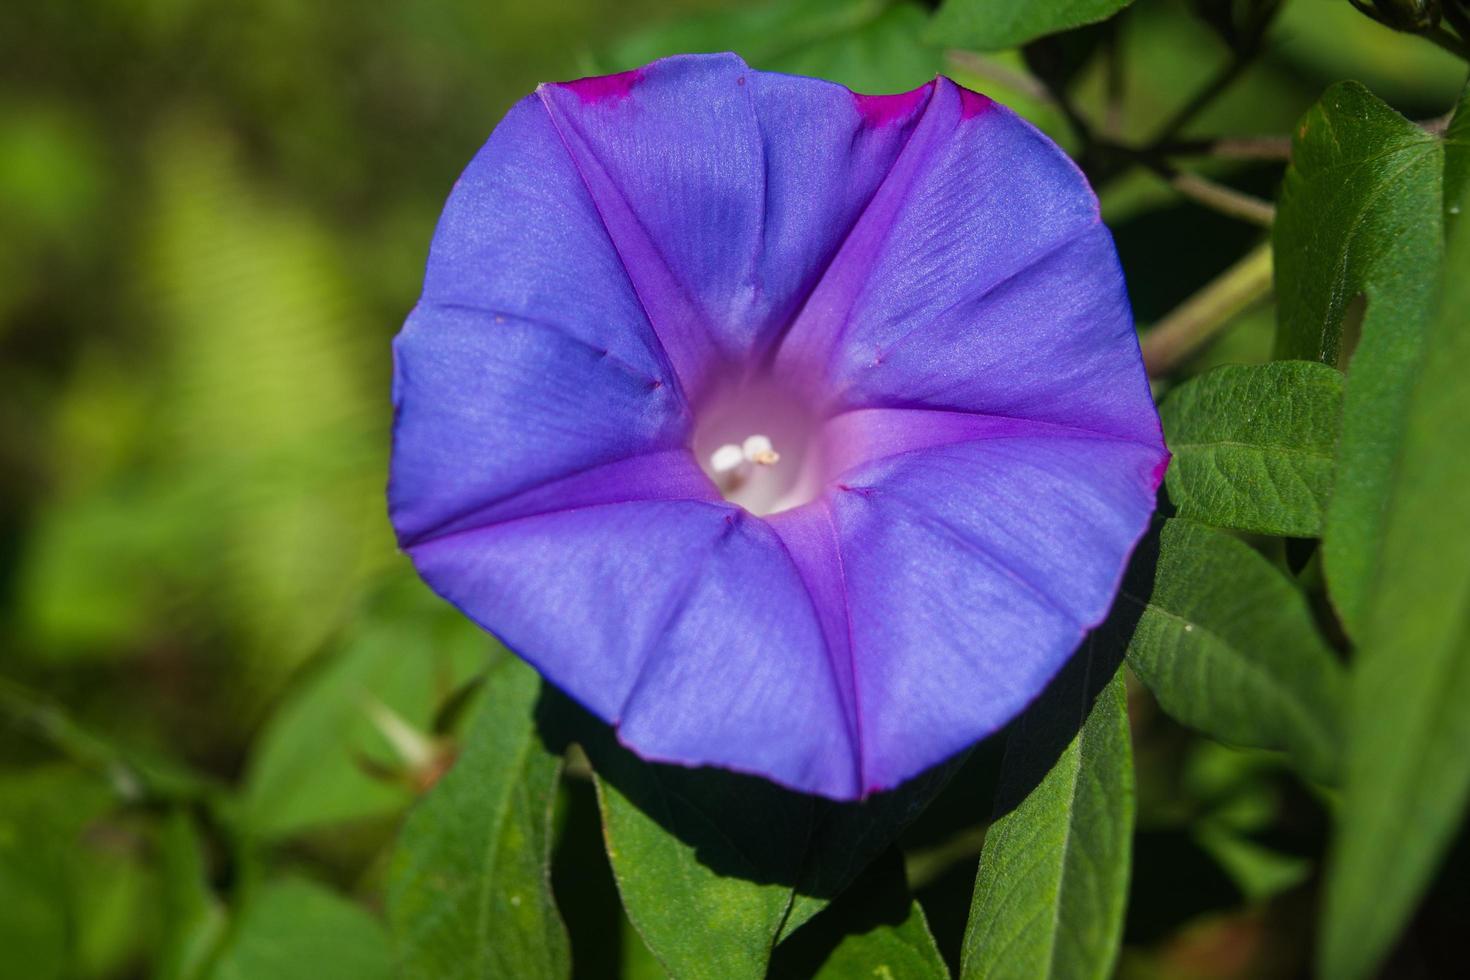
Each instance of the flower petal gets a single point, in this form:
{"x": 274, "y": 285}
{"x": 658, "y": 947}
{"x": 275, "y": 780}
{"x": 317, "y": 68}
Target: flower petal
{"x": 972, "y": 571}
{"x": 685, "y": 623}
{"x": 727, "y": 191}
{"x": 623, "y": 244}
{"x": 1053, "y": 343}
{"x": 521, "y": 237}
{"x": 979, "y": 279}
{"x": 492, "y": 408}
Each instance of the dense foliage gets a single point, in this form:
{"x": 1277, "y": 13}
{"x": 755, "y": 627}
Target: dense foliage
{"x": 238, "y": 739}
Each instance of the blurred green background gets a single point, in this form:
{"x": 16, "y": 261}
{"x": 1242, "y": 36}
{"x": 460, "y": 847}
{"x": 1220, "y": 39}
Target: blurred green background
{"x": 213, "y": 218}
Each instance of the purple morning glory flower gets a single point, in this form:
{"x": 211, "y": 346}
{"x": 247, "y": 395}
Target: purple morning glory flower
{"x": 793, "y": 431}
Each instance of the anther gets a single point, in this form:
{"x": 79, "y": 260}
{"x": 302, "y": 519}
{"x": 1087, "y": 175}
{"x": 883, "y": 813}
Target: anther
{"x": 758, "y": 450}
{"x": 726, "y": 459}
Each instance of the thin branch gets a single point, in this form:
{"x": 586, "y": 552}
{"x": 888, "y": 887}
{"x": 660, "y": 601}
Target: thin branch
{"x": 1198, "y": 319}
{"x": 1262, "y": 147}
{"x": 132, "y": 777}
{"x": 1232, "y": 148}
{"x": 1201, "y": 190}
{"x": 1201, "y": 100}
{"x": 1243, "y": 53}
{"x": 1226, "y": 200}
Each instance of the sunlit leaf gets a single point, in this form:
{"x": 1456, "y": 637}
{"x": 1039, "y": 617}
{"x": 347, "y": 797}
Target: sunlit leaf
{"x": 1053, "y": 878}
{"x": 294, "y": 929}
{"x": 989, "y": 25}
{"x": 1407, "y": 769}
{"x": 468, "y": 894}
{"x": 407, "y": 653}
{"x": 899, "y": 949}
{"x": 268, "y": 435}
{"x": 1359, "y": 216}
{"x": 195, "y": 918}
{"x": 1227, "y": 645}
{"x": 42, "y": 816}
{"x": 1457, "y": 160}
{"x": 52, "y": 176}
{"x": 867, "y": 45}
{"x": 1253, "y": 446}
{"x": 1328, "y": 39}
{"x": 638, "y": 962}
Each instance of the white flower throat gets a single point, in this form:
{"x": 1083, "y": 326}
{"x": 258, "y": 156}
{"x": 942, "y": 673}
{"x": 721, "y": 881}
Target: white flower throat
{"x": 732, "y": 465}
{"x": 756, "y": 443}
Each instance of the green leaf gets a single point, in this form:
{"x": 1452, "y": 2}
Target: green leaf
{"x": 1360, "y": 215}
{"x": 469, "y": 894}
{"x": 1457, "y": 160}
{"x": 1328, "y": 39}
{"x": 875, "y": 929}
{"x": 1053, "y": 878}
{"x": 1227, "y": 645}
{"x": 194, "y": 917}
{"x": 638, "y": 962}
{"x": 1257, "y": 870}
{"x": 989, "y": 25}
{"x": 42, "y": 815}
{"x": 117, "y": 896}
{"x": 1235, "y": 800}
{"x": 1253, "y": 446}
{"x": 868, "y": 45}
{"x": 294, "y": 929}
{"x": 407, "y": 653}
{"x": 714, "y": 867}
{"x": 902, "y": 949}
{"x": 704, "y": 860}
{"x": 1407, "y": 769}
{"x": 850, "y": 835}
{"x": 269, "y": 434}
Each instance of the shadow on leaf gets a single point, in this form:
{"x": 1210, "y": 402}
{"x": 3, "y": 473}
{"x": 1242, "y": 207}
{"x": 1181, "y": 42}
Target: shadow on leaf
{"x": 745, "y": 826}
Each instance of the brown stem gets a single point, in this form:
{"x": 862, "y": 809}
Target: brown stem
{"x": 1226, "y": 200}
{"x": 1198, "y": 319}
{"x": 1232, "y": 148}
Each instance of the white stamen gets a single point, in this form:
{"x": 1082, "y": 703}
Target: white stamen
{"x": 758, "y": 450}
{"x": 726, "y": 459}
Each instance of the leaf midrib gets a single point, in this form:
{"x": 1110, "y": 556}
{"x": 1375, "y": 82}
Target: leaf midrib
{"x": 492, "y": 847}
{"x": 1210, "y": 445}
{"x": 1074, "y": 778}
